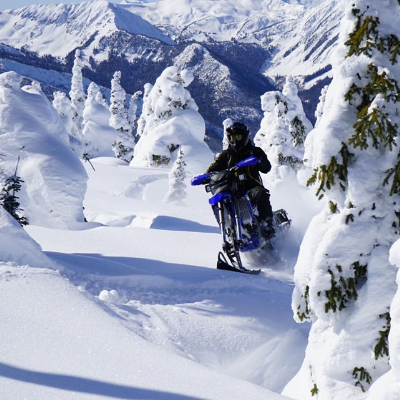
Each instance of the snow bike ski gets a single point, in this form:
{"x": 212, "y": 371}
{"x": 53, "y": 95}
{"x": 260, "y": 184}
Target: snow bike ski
{"x": 237, "y": 218}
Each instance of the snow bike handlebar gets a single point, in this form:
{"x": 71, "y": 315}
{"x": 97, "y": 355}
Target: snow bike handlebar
{"x": 247, "y": 162}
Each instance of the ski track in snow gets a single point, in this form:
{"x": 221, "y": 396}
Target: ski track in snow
{"x": 158, "y": 278}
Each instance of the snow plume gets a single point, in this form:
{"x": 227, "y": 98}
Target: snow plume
{"x": 54, "y": 178}
{"x": 171, "y": 120}
{"x": 64, "y": 108}
{"x": 77, "y": 93}
{"x": 344, "y": 283}
{"x": 98, "y": 135}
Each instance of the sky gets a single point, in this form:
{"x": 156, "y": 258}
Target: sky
{"x": 7, "y": 4}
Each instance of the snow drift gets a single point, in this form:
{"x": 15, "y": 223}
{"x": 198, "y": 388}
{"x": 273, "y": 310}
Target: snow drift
{"x": 54, "y": 178}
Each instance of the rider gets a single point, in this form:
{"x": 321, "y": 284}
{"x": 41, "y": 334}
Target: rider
{"x": 241, "y": 147}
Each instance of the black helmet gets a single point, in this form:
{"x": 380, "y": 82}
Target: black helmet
{"x": 238, "y": 135}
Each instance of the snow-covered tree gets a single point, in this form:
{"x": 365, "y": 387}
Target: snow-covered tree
{"x": 146, "y": 109}
{"x": 119, "y": 115}
{"x": 64, "y": 108}
{"x": 124, "y": 144}
{"x": 321, "y": 104}
{"x": 171, "y": 120}
{"x": 98, "y": 135}
{"x": 132, "y": 111}
{"x": 226, "y": 124}
{"x": 77, "y": 92}
{"x": 177, "y": 186}
{"x": 54, "y": 178}
{"x": 283, "y": 129}
{"x": 9, "y": 199}
{"x": 344, "y": 281}
{"x": 387, "y": 388}
{"x": 299, "y": 125}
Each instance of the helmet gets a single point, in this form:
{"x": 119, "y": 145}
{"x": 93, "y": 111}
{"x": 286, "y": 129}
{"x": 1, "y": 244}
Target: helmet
{"x": 238, "y": 135}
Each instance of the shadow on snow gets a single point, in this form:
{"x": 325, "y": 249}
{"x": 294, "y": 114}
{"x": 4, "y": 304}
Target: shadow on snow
{"x": 164, "y": 222}
{"x": 85, "y": 385}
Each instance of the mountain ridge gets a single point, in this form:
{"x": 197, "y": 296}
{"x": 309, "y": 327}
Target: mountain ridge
{"x": 264, "y": 49}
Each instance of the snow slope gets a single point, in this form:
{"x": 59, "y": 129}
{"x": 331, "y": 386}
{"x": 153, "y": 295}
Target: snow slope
{"x": 50, "y": 321}
{"x": 137, "y": 297}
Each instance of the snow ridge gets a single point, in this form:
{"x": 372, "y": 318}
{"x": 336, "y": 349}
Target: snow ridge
{"x": 60, "y": 29}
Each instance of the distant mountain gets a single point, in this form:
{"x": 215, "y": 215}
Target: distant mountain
{"x": 238, "y": 49}
{"x": 61, "y": 28}
{"x": 299, "y": 34}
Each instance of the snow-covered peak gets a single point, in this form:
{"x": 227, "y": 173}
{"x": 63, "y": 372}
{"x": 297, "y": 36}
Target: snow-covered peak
{"x": 213, "y": 16}
{"x": 58, "y": 29}
{"x": 221, "y": 20}
{"x": 299, "y": 33}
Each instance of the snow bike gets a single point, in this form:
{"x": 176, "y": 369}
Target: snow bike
{"x": 237, "y": 217}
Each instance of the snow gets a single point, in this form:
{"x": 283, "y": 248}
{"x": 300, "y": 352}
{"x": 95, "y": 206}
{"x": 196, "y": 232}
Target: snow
{"x": 98, "y": 135}
{"x": 129, "y": 304}
{"x": 355, "y": 228}
{"x": 290, "y": 30}
{"x": 62, "y": 28}
{"x": 31, "y": 129}
{"x": 170, "y": 120}
{"x": 136, "y": 300}
{"x": 111, "y": 306}
{"x": 17, "y": 246}
{"x": 104, "y": 358}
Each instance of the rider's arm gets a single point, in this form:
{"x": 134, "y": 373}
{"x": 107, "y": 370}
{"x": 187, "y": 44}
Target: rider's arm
{"x": 219, "y": 164}
{"x": 264, "y": 165}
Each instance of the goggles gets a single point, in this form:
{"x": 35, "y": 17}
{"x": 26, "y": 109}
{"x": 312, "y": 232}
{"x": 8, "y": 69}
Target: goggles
{"x": 234, "y": 137}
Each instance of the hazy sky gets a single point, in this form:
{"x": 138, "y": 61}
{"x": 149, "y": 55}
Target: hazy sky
{"x": 6, "y": 4}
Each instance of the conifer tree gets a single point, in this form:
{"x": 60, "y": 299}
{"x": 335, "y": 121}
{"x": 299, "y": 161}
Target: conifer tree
{"x": 147, "y": 110}
{"x": 177, "y": 186}
{"x": 64, "y": 108}
{"x": 124, "y": 145}
{"x": 166, "y": 110}
{"x": 299, "y": 125}
{"x": 132, "y": 111}
{"x": 77, "y": 92}
{"x": 98, "y": 135}
{"x": 9, "y": 199}
{"x": 119, "y": 114}
{"x": 283, "y": 129}
{"x": 347, "y": 283}
{"x": 320, "y": 107}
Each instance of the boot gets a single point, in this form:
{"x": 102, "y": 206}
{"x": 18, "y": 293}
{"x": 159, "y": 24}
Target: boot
{"x": 267, "y": 228}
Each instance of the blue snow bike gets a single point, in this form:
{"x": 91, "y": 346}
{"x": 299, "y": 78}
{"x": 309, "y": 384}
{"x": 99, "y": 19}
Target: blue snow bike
{"x": 237, "y": 217}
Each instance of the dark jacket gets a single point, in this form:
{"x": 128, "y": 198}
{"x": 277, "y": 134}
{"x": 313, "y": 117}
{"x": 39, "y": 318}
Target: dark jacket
{"x": 229, "y": 158}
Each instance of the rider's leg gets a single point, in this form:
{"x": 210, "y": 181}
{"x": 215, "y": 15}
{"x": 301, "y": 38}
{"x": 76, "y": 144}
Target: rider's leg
{"x": 260, "y": 197}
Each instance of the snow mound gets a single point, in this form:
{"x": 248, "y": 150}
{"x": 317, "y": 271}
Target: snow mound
{"x": 17, "y": 246}
{"x": 91, "y": 354}
{"x": 31, "y": 130}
